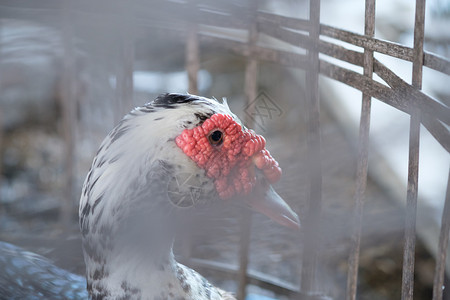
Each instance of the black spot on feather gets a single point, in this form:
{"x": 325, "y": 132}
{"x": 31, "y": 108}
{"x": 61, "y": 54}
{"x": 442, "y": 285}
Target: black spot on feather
{"x": 84, "y": 214}
{"x": 97, "y": 201}
{"x": 98, "y": 151}
{"x": 147, "y": 108}
{"x": 168, "y": 100}
{"x": 165, "y": 165}
{"x": 99, "y": 273}
{"x": 93, "y": 184}
{"x": 114, "y": 159}
{"x": 202, "y": 117}
{"x": 129, "y": 289}
{"x": 89, "y": 175}
{"x": 93, "y": 252}
{"x": 101, "y": 163}
{"x": 118, "y": 132}
{"x": 207, "y": 288}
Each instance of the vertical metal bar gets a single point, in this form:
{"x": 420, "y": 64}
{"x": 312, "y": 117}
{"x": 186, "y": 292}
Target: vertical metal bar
{"x": 244, "y": 245}
{"x": 443, "y": 245}
{"x": 1, "y": 116}
{"x": 192, "y": 59}
{"x": 251, "y": 76}
{"x": 312, "y": 222}
{"x": 413, "y": 164}
{"x": 124, "y": 77}
{"x": 192, "y": 67}
{"x": 363, "y": 160}
{"x": 69, "y": 115}
{"x": 419, "y": 29}
{"x": 2, "y": 210}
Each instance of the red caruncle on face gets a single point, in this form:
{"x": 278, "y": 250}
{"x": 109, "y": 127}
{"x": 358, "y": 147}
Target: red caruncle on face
{"x": 228, "y": 154}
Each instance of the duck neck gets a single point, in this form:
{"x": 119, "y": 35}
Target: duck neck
{"x": 132, "y": 276}
{"x": 126, "y": 268}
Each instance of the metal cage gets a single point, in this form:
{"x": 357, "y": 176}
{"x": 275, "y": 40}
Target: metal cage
{"x": 303, "y": 34}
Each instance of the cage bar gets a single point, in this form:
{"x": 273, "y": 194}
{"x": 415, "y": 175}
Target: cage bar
{"x": 300, "y": 34}
{"x": 68, "y": 104}
{"x": 312, "y": 224}
{"x": 192, "y": 65}
{"x": 439, "y": 274}
{"x": 251, "y": 87}
{"x": 413, "y": 164}
{"x": 363, "y": 160}
{"x": 125, "y": 68}
{"x": 2, "y": 209}
{"x": 192, "y": 59}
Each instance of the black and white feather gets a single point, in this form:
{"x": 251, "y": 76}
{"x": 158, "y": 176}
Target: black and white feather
{"x": 126, "y": 215}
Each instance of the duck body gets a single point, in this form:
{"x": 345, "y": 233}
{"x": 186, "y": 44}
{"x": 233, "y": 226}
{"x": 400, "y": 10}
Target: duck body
{"x": 26, "y": 275}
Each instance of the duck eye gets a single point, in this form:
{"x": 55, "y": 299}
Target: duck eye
{"x": 216, "y": 138}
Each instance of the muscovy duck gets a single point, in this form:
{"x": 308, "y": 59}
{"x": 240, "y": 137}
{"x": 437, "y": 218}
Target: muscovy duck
{"x": 158, "y": 167}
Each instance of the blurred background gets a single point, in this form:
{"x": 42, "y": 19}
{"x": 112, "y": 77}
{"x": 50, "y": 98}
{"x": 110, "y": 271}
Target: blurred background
{"x": 69, "y": 70}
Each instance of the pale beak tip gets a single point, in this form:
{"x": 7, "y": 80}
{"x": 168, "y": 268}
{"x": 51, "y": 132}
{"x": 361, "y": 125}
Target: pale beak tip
{"x": 269, "y": 203}
{"x": 291, "y": 223}
{"x": 294, "y": 224}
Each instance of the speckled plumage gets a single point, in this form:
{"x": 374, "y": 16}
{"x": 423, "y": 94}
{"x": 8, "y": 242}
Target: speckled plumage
{"x": 127, "y": 217}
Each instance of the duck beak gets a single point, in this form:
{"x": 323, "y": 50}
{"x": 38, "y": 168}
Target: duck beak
{"x": 266, "y": 201}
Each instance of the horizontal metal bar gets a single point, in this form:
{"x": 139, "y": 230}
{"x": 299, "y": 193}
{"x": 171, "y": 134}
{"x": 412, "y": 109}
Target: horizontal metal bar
{"x": 289, "y": 22}
{"x": 386, "y": 95}
{"x": 46, "y": 12}
{"x": 423, "y": 102}
{"x": 436, "y": 62}
{"x": 288, "y": 59}
{"x": 370, "y": 43}
{"x": 231, "y": 17}
{"x": 260, "y": 279}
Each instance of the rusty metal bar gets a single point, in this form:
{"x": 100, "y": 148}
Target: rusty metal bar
{"x": 312, "y": 222}
{"x": 363, "y": 160}
{"x": 439, "y": 274}
{"x": 418, "y": 56}
{"x": 389, "y": 48}
{"x": 385, "y": 94}
{"x": 412, "y": 97}
{"x": 68, "y": 104}
{"x": 413, "y": 164}
{"x": 251, "y": 85}
{"x": 393, "y": 97}
{"x": 411, "y": 209}
{"x": 436, "y": 62}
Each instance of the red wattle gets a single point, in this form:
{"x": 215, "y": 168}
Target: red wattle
{"x": 229, "y": 164}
